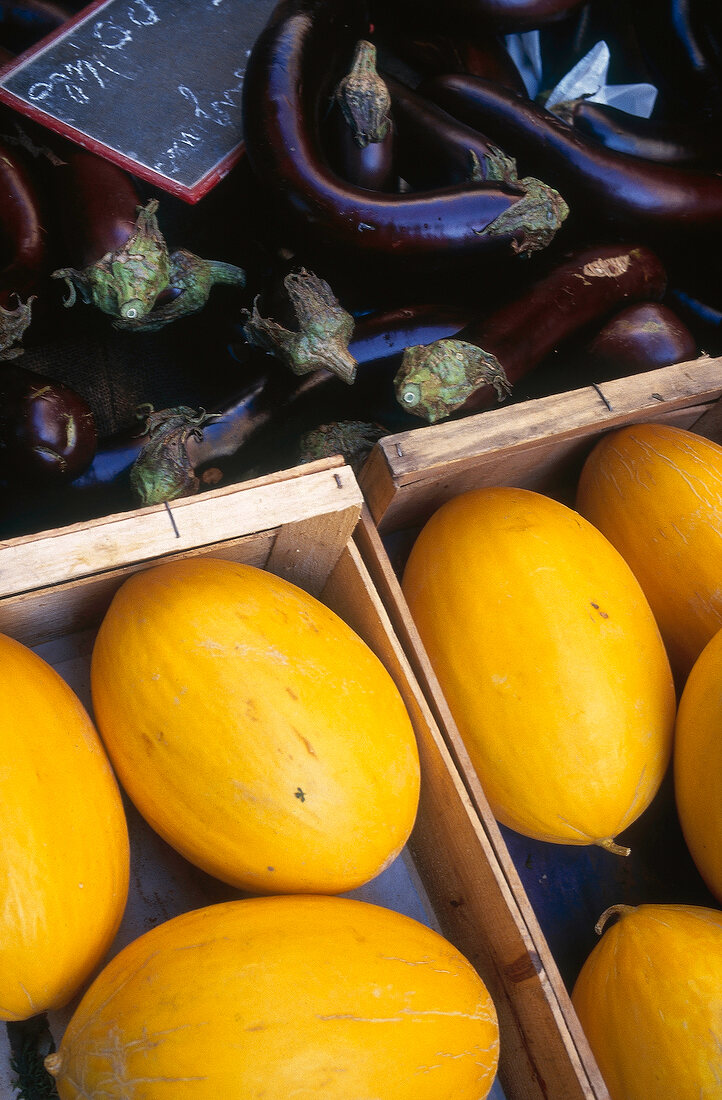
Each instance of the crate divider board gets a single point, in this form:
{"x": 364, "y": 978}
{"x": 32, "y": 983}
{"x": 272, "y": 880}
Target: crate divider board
{"x": 539, "y": 443}
{"x": 449, "y": 870}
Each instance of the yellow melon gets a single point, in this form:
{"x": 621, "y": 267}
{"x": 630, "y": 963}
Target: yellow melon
{"x": 649, "y": 998}
{"x": 253, "y": 729}
{"x": 280, "y": 997}
{"x": 64, "y": 853}
{"x": 550, "y": 660}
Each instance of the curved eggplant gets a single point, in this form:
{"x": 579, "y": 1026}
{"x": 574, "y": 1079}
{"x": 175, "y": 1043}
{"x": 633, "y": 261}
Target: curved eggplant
{"x": 270, "y": 398}
{"x": 662, "y": 140}
{"x": 493, "y": 352}
{"x": 653, "y": 202}
{"x": 433, "y": 148}
{"x": 280, "y": 105}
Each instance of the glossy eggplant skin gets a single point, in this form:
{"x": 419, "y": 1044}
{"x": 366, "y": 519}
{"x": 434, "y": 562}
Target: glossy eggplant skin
{"x": 281, "y": 133}
{"x": 22, "y": 224}
{"x": 649, "y": 201}
{"x": 47, "y": 431}
{"x": 661, "y": 140}
{"x": 371, "y": 166}
{"x": 96, "y": 204}
{"x": 271, "y": 398}
{"x": 433, "y": 148}
{"x": 574, "y": 294}
{"x": 641, "y": 337}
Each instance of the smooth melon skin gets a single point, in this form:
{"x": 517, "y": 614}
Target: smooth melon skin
{"x": 253, "y": 729}
{"x": 550, "y": 660}
{"x": 698, "y": 764}
{"x": 655, "y": 491}
{"x": 64, "y": 859}
{"x": 649, "y": 997}
{"x": 279, "y": 997}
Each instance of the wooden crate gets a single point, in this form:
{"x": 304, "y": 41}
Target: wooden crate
{"x": 539, "y": 445}
{"x": 310, "y": 526}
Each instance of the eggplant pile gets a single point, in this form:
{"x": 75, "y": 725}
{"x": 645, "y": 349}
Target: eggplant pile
{"x": 408, "y": 236}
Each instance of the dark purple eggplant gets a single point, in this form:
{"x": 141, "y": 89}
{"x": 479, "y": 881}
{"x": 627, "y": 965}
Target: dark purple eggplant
{"x": 651, "y": 202}
{"x": 47, "y": 431}
{"x": 433, "y": 148}
{"x": 25, "y": 259}
{"x": 271, "y": 397}
{"x": 674, "y": 46}
{"x": 96, "y": 203}
{"x": 641, "y": 337}
{"x": 661, "y": 140}
{"x": 24, "y": 242}
{"x": 359, "y": 130}
{"x": 280, "y": 108}
{"x": 498, "y": 349}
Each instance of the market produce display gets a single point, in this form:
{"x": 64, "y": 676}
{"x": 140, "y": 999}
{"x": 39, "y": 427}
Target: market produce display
{"x": 414, "y": 232}
{"x": 402, "y": 161}
{"x": 548, "y": 650}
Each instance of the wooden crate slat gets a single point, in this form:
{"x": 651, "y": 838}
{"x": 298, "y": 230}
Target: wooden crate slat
{"x": 53, "y": 557}
{"x": 543, "y": 441}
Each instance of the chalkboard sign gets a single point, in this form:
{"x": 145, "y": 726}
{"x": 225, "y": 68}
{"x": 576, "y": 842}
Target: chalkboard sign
{"x": 154, "y": 85}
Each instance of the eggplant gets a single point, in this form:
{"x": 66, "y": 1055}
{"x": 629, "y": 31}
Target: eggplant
{"x": 662, "y": 140}
{"x": 47, "y": 431}
{"x": 272, "y": 398}
{"x": 482, "y": 363}
{"x": 641, "y": 337}
{"x": 280, "y": 120}
{"x": 657, "y": 203}
{"x": 359, "y": 130}
{"x": 434, "y": 149}
{"x": 26, "y": 260}
{"x": 96, "y": 203}
{"x": 22, "y": 224}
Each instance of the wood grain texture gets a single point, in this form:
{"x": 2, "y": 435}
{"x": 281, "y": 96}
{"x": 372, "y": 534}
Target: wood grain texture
{"x": 538, "y": 444}
{"x": 147, "y": 534}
